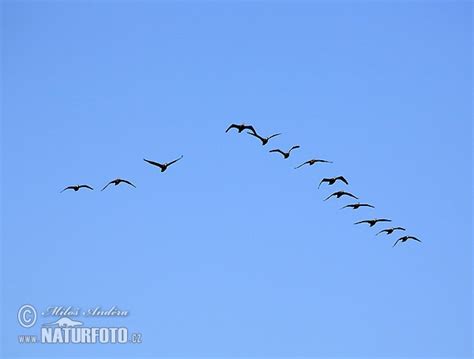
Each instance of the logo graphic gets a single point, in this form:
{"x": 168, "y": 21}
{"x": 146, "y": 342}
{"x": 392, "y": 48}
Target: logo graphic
{"x": 27, "y": 316}
{"x": 64, "y": 322}
{"x": 62, "y": 329}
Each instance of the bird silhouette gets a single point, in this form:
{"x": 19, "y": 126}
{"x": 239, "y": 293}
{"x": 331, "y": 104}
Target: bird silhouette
{"x": 312, "y": 162}
{"x": 357, "y": 205}
{"x": 263, "y": 139}
{"x": 241, "y": 127}
{"x": 163, "y": 166}
{"x": 339, "y": 194}
{"x": 404, "y": 239}
{"x": 333, "y": 180}
{"x": 77, "y": 187}
{"x": 391, "y": 230}
{"x": 117, "y": 181}
{"x": 373, "y": 222}
{"x": 285, "y": 154}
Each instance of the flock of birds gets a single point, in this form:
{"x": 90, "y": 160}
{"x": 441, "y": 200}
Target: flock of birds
{"x": 285, "y": 154}
{"x": 330, "y": 181}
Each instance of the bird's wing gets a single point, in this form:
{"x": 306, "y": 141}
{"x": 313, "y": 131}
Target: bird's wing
{"x": 130, "y": 183}
{"x": 323, "y": 161}
{"x": 399, "y": 228}
{"x": 364, "y": 221}
{"x": 251, "y": 128}
{"x": 347, "y": 205}
{"x": 330, "y": 196}
{"x": 322, "y": 181}
{"x": 231, "y": 126}
{"x": 278, "y": 150}
{"x": 367, "y": 205}
{"x": 383, "y": 230}
{"x": 350, "y": 195}
{"x": 342, "y": 179}
{"x": 293, "y": 148}
{"x": 107, "y": 185}
{"x": 301, "y": 165}
{"x": 154, "y": 163}
{"x": 68, "y": 187}
{"x": 254, "y": 134}
{"x": 414, "y": 238}
{"x": 383, "y": 220}
{"x": 174, "y": 161}
{"x": 398, "y": 240}
{"x": 274, "y": 135}
{"x": 85, "y": 186}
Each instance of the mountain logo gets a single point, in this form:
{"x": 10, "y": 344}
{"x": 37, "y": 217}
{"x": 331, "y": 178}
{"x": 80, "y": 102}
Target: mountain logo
{"x": 64, "y": 322}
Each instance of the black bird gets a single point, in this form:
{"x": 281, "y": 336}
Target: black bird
{"x": 241, "y": 127}
{"x": 373, "y": 222}
{"x": 339, "y": 194}
{"x": 77, "y": 187}
{"x": 163, "y": 166}
{"x": 357, "y": 205}
{"x": 285, "y": 154}
{"x": 404, "y": 239}
{"x": 312, "y": 162}
{"x": 391, "y": 230}
{"x": 117, "y": 181}
{"x": 263, "y": 139}
{"x": 333, "y": 180}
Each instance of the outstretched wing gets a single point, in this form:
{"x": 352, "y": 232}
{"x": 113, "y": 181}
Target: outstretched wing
{"x": 398, "y": 240}
{"x": 342, "y": 179}
{"x": 174, "y": 161}
{"x": 278, "y": 150}
{"x": 364, "y": 221}
{"x": 254, "y": 134}
{"x": 250, "y": 127}
{"x": 347, "y": 205}
{"x": 85, "y": 186}
{"x": 155, "y": 163}
{"x": 68, "y": 187}
{"x": 322, "y": 181}
{"x": 274, "y": 135}
{"x": 107, "y": 185}
{"x": 323, "y": 161}
{"x": 335, "y": 193}
{"x": 366, "y": 205}
{"x": 414, "y": 238}
{"x": 128, "y": 182}
{"x": 383, "y": 220}
{"x": 231, "y": 126}
{"x": 293, "y": 148}
{"x": 399, "y": 228}
{"x": 350, "y": 195}
{"x": 301, "y": 165}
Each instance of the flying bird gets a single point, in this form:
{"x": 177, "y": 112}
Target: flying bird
{"x": 163, "y": 166}
{"x": 404, "y": 239}
{"x": 312, "y": 162}
{"x": 241, "y": 127}
{"x": 285, "y": 154}
{"x": 333, "y": 180}
{"x": 357, "y": 205}
{"x": 391, "y": 230}
{"x": 373, "y": 222}
{"x": 339, "y": 194}
{"x": 263, "y": 139}
{"x": 77, "y": 187}
{"x": 117, "y": 181}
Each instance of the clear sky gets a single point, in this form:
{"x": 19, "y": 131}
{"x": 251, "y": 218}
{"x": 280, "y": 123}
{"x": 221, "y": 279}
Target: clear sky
{"x": 232, "y": 252}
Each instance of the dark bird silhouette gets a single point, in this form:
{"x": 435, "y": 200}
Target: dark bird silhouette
{"x": 333, "y": 180}
{"x": 404, "y": 239}
{"x": 391, "y": 230}
{"x": 339, "y": 194}
{"x": 373, "y": 222}
{"x": 117, "y": 181}
{"x": 163, "y": 166}
{"x": 263, "y": 139}
{"x": 77, "y": 187}
{"x": 357, "y": 205}
{"x": 312, "y": 162}
{"x": 285, "y": 154}
{"x": 241, "y": 128}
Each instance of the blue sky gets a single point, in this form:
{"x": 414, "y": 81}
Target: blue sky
{"x": 232, "y": 252}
